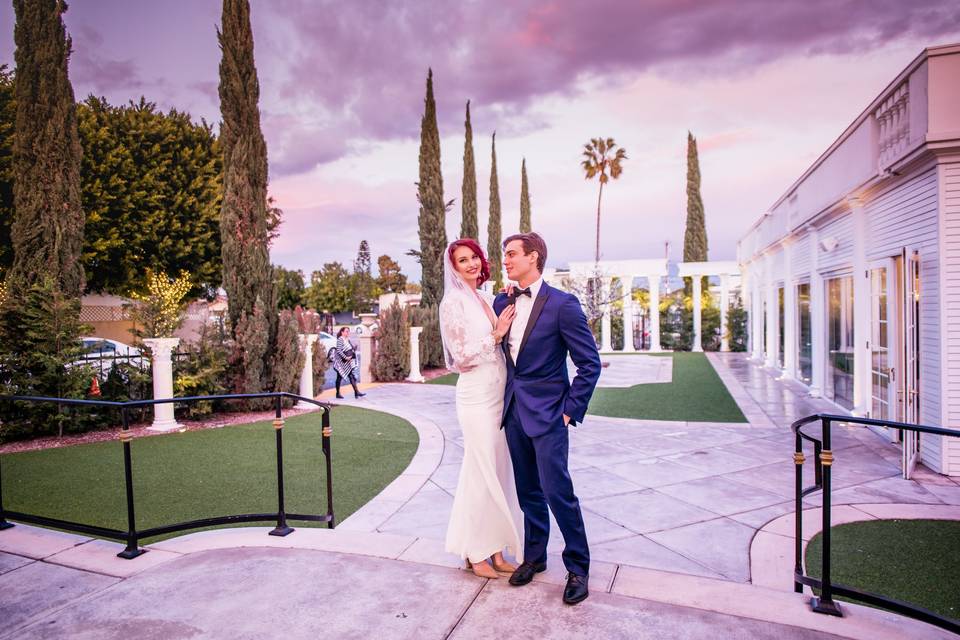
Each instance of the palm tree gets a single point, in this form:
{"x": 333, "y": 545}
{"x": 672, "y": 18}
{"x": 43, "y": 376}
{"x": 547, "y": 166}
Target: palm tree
{"x": 602, "y": 158}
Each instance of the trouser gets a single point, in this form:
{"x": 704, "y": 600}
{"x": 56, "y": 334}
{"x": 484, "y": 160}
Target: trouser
{"x": 353, "y": 382}
{"x": 540, "y": 470}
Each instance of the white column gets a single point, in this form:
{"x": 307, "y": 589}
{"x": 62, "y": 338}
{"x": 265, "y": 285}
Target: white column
{"x": 653, "y": 282}
{"x": 307, "y": 340}
{"x": 161, "y": 349}
{"x": 415, "y": 375}
{"x": 366, "y": 356}
{"x": 818, "y": 318}
{"x": 861, "y": 311}
{"x": 771, "y": 297}
{"x": 605, "y": 331}
{"x": 697, "y": 311}
{"x": 724, "y": 307}
{"x": 626, "y": 282}
{"x": 756, "y": 313}
{"x": 789, "y": 314}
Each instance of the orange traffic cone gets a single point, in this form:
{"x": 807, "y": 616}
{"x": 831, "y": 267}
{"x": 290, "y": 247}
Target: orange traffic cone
{"x": 94, "y": 387}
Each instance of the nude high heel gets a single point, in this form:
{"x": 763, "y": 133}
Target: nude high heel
{"x": 502, "y": 565}
{"x": 482, "y": 570}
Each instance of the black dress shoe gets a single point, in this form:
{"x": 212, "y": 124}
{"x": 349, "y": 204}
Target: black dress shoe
{"x": 576, "y": 589}
{"x": 359, "y": 395}
{"x": 339, "y": 396}
{"x": 525, "y": 573}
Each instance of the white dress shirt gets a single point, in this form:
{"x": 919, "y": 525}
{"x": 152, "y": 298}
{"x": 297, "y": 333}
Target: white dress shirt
{"x": 523, "y": 307}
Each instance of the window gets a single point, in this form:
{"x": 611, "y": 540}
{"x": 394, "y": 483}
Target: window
{"x": 805, "y": 334}
{"x": 838, "y": 382}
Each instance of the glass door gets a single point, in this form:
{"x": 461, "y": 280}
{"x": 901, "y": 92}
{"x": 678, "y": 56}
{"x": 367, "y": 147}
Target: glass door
{"x": 883, "y": 342}
{"x": 908, "y": 392}
{"x": 804, "y": 334}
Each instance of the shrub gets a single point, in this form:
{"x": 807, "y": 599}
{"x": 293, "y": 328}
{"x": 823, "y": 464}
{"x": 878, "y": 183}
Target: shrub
{"x": 431, "y": 345}
{"x": 287, "y": 357}
{"x": 737, "y": 326}
{"x": 201, "y": 371}
{"x": 391, "y": 362}
{"x": 320, "y": 364}
{"x": 39, "y": 330}
{"x": 159, "y": 311}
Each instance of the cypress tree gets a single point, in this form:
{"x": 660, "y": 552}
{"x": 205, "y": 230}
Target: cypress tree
{"x": 494, "y": 250}
{"x": 695, "y": 236}
{"x": 432, "y": 218}
{"x": 469, "y": 228}
{"x": 47, "y": 229}
{"x": 247, "y": 275}
{"x": 524, "y": 199}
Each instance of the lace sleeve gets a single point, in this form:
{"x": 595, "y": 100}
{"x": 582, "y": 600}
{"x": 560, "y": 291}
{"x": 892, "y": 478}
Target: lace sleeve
{"x": 466, "y": 350}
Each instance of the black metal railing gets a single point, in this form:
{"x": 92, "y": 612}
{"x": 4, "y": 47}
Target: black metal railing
{"x": 132, "y": 535}
{"x": 823, "y": 463}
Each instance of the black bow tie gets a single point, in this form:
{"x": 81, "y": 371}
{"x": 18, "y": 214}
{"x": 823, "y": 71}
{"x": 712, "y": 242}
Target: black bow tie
{"x": 521, "y": 292}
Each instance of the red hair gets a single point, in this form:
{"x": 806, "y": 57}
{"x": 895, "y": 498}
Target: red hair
{"x": 474, "y": 246}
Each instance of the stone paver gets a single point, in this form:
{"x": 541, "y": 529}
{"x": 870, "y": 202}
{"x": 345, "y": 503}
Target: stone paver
{"x": 689, "y": 506}
{"x": 645, "y": 483}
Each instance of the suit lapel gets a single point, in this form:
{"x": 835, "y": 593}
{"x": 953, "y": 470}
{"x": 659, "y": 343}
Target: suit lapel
{"x": 534, "y": 315}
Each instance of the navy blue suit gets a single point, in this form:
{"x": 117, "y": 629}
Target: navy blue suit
{"x": 537, "y": 395}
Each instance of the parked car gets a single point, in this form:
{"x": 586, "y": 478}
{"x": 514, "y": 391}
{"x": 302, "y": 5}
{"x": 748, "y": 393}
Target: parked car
{"x": 328, "y": 343}
{"x": 102, "y": 353}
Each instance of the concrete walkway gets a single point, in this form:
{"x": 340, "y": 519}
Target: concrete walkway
{"x": 680, "y": 518}
{"x": 243, "y": 583}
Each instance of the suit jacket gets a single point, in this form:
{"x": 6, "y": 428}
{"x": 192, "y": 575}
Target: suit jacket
{"x": 538, "y": 381}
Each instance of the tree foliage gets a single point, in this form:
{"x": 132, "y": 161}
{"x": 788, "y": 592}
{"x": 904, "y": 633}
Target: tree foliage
{"x": 331, "y": 289}
{"x": 8, "y": 111}
{"x": 47, "y": 229}
{"x": 151, "y": 194}
{"x": 247, "y": 276}
{"x": 390, "y": 278}
{"x": 525, "y": 224}
{"x": 159, "y": 311}
{"x": 602, "y": 159}
{"x": 431, "y": 344}
{"x": 695, "y": 235}
{"x": 469, "y": 227}
{"x": 433, "y": 209}
{"x": 289, "y": 286}
{"x": 494, "y": 250}
{"x": 363, "y": 285}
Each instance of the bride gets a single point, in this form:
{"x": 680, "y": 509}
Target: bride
{"x": 486, "y": 517}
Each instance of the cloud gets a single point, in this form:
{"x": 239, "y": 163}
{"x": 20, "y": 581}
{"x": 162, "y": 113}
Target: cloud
{"x": 101, "y": 74}
{"x": 361, "y": 66}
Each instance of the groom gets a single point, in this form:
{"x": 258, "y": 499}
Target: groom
{"x": 540, "y": 404}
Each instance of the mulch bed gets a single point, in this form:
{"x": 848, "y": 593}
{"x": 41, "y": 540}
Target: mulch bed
{"x": 138, "y": 430}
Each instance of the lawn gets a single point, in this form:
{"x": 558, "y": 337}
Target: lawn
{"x": 911, "y": 560}
{"x": 214, "y": 472}
{"x": 696, "y": 394}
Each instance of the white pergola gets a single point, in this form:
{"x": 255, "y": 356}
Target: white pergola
{"x": 626, "y": 271}
{"x": 696, "y": 270}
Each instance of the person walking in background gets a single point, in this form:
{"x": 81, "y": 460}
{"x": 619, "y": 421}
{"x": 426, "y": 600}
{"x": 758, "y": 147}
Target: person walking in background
{"x": 345, "y": 362}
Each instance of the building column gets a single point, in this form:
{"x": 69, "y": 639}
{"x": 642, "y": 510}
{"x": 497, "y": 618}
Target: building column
{"x": 789, "y": 313}
{"x": 415, "y": 375}
{"x": 724, "y": 307}
{"x": 307, "y": 341}
{"x": 605, "y": 331}
{"x": 818, "y": 318}
{"x": 653, "y": 284}
{"x": 161, "y": 350}
{"x": 756, "y": 314}
{"x": 626, "y": 283}
{"x": 861, "y": 311}
{"x": 697, "y": 312}
{"x": 770, "y": 291}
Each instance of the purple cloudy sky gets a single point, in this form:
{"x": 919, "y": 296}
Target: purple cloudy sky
{"x": 765, "y": 86}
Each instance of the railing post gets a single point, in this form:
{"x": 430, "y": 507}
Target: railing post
{"x": 825, "y": 603}
{"x": 3, "y": 520}
{"x": 133, "y": 547}
{"x": 798, "y": 555}
{"x": 325, "y": 440}
{"x": 281, "y": 529}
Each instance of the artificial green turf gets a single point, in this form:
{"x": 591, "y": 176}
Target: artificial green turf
{"x": 449, "y": 378}
{"x": 214, "y": 472}
{"x": 916, "y": 561}
{"x": 696, "y": 394}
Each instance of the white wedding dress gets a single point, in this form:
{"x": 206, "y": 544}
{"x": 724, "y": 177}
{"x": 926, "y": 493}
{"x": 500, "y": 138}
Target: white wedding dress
{"x": 486, "y": 516}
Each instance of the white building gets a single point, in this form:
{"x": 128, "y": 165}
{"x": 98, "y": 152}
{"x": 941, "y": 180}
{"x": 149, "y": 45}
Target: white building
{"x": 853, "y": 275}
